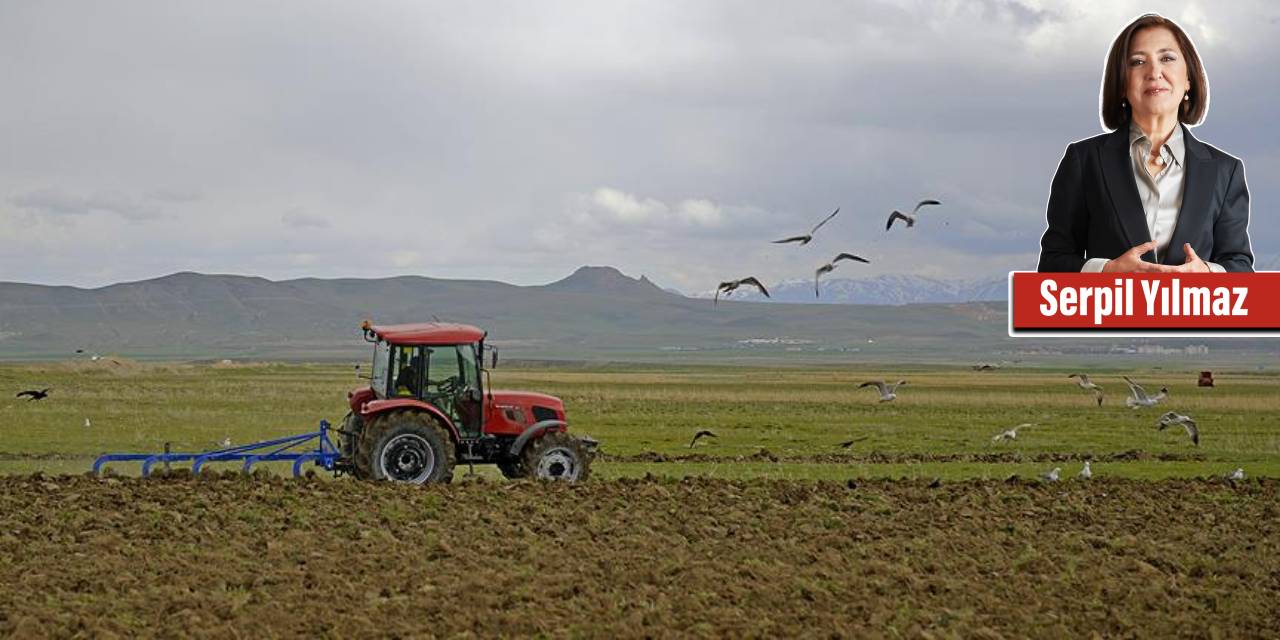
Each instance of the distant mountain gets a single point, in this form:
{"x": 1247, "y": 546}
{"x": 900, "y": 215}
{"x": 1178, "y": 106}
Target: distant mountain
{"x": 605, "y": 280}
{"x": 880, "y": 290}
{"x": 595, "y": 312}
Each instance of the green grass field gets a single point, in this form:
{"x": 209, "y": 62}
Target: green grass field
{"x": 941, "y": 425}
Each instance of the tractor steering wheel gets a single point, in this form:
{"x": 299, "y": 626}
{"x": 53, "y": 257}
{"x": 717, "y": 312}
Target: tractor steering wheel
{"x": 449, "y": 386}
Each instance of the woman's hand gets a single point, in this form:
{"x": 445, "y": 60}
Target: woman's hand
{"x": 1131, "y": 261}
{"x": 1193, "y": 264}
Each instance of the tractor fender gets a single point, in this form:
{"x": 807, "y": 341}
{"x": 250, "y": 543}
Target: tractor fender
{"x": 376, "y": 407}
{"x": 534, "y": 430}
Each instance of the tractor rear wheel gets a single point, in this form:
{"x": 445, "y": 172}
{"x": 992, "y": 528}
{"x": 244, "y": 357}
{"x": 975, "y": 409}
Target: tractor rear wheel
{"x": 406, "y": 446}
{"x": 557, "y": 456}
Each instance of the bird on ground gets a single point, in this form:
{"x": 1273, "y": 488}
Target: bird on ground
{"x": 1052, "y": 476}
{"x": 888, "y": 392}
{"x": 1086, "y": 472}
{"x": 1139, "y": 397}
{"x": 831, "y": 266}
{"x": 87, "y": 424}
{"x": 849, "y": 443}
{"x": 1174, "y": 418}
{"x": 35, "y": 395}
{"x": 1238, "y": 474}
{"x": 804, "y": 239}
{"x": 985, "y": 366}
{"x": 730, "y": 286}
{"x": 909, "y": 218}
{"x": 1011, "y": 434}
{"x": 937, "y": 482}
{"x": 705, "y": 433}
{"x": 226, "y": 442}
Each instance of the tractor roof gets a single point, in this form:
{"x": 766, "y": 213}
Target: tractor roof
{"x": 428, "y": 333}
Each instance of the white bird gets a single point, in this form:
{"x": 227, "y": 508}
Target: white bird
{"x": 1085, "y": 383}
{"x": 87, "y": 423}
{"x": 888, "y": 392}
{"x": 1011, "y": 434}
{"x": 226, "y": 442}
{"x": 1238, "y": 474}
{"x": 1052, "y": 476}
{"x": 804, "y": 239}
{"x": 909, "y": 218}
{"x": 831, "y": 266}
{"x": 1139, "y": 397}
{"x": 1174, "y": 418}
{"x": 1086, "y": 472}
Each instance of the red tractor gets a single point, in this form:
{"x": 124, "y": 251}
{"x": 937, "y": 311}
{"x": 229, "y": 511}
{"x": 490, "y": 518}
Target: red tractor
{"x": 429, "y": 406}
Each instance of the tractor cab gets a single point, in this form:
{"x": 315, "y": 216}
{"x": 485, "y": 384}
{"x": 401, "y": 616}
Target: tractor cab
{"x": 446, "y": 376}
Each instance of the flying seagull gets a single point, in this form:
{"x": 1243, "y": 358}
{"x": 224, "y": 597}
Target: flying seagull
{"x": 35, "y": 395}
{"x": 985, "y": 366}
{"x": 831, "y": 266}
{"x": 804, "y": 239}
{"x": 1083, "y": 381}
{"x": 729, "y": 287}
{"x": 1052, "y": 476}
{"x": 704, "y": 433}
{"x": 1086, "y": 472}
{"x": 909, "y": 218}
{"x": 888, "y": 392}
{"x": 1011, "y": 434}
{"x": 1174, "y": 418}
{"x": 1139, "y": 397}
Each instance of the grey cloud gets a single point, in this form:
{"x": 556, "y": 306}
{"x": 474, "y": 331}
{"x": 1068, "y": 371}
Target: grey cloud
{"x": 299, "y": 219}
{"x": 58, "y": 203}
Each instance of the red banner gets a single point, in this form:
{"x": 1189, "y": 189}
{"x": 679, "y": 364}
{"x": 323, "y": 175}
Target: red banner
{"x": 1160, "y": 303}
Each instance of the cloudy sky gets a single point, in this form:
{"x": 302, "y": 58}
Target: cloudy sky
{"x": 519, "y": 140}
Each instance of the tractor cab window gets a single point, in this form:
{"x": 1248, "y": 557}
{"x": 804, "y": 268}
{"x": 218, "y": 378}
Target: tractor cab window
{"x": 442, "y": 371}
{"x": 451, "y": 370}
{"x": 381, "y": 364}
{"x": 406, "y": 362}
{"x": 468, "y": 358}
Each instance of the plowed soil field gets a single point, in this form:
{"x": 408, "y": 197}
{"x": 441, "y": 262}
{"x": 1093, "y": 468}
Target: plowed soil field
{"x": 230, "y": 556}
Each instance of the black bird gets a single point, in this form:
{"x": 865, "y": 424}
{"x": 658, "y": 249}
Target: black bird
{"x": 704, "y": 433}
{"x": 909, "y": 218}
{"x": 804, "y": 239}
{"x": 831, "y": 266}
{"x": 35, "y": 395}
{"x": 849, "y": 443}
{"x": 937, "y": 482}
{"x": 731, "y": 285}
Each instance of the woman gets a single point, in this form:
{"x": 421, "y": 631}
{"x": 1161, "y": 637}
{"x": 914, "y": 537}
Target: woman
{"x": 1148, "y": 196}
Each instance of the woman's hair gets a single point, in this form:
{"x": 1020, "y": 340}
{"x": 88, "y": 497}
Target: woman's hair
{"x": 1114, "y": 75}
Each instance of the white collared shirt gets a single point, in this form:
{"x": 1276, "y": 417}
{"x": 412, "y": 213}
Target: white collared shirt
{"x": 1161, "y": 194}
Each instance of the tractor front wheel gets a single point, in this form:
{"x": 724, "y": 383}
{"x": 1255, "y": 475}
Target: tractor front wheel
{"x": 407, "y": 446}
{"x": 557, "y": 456}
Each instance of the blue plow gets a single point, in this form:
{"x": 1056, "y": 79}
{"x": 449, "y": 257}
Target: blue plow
{"x": 325, "y": 454}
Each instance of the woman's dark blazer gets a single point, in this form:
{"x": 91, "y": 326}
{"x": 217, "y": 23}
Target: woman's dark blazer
{"x": 1095, "y": 210}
